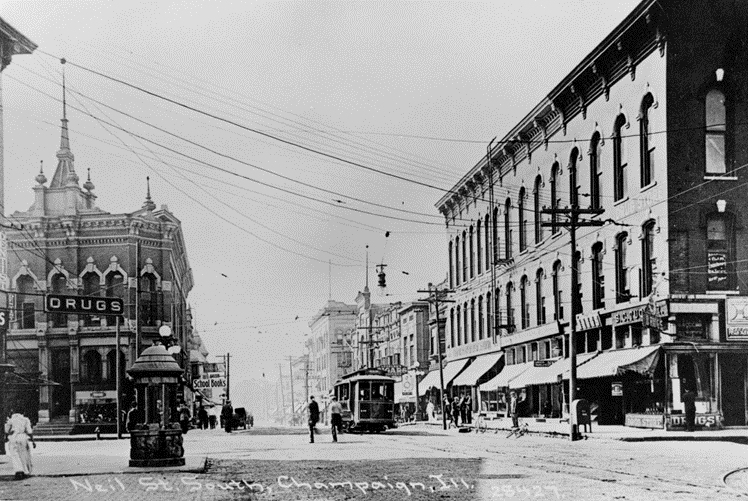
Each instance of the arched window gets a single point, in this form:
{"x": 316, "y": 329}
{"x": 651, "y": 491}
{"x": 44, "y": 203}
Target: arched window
{"x": 464, "y": 257}
{"x": 115, "y": 287}
{"x": 596, "y": 173}
{"x": 540, "y": 296}
{"x": 648, "y": 258}
{"x": 472, "y": 253}
{"x": 489, "y": 316}
{"x": 457, "y": 260}
{"x": 466, "y": 322}
{"x": 473, "y": 328}
{"x": 524, "y": 303}
{"x": 510, "y": 307}
{"x": 577, "y": 307}
{"x": 558, "y": 299}
{"x": 573, "y": 184}
{"x": 598, "y": 277}
{"x": 619, "y": 160}
{"x": 59, "y": 283}
{"x": 111, "y": 361}
{"x": 537, "y": 207}
{"x": 488, "y": 242}
{"x": 452, "y": 331}
{"x": 715, "y": 117}
{"x": 480, "y": 317}
{"x": 148, "y": 299}
{"x": 91, "y": 288}
{"x": 495, "y": 234}
{"x": 508, "y": 229}
{"x": 622, "y": 270}
{"x": 459, "y": 324}
{"x": 521, "y": 219}
{"x": 720, "y": 244}
{"x": 646, "y": 151}
{"x": 25, "y": 302}
{"x": 554, "y": 197}
{"x": 451, "y": 267}
{"x": 478, "y": 248}
{"x": 91, "y": 370}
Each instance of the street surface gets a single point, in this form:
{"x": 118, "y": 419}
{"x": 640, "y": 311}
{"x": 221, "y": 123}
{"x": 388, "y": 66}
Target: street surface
{"x": 416, "y": 462}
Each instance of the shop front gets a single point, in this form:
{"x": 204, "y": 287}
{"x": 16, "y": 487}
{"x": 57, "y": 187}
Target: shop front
{"x": 497, "y": 388}
{"x": 481, "y": 370}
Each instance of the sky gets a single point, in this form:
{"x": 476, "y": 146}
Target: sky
{"x": 286, "y": 136}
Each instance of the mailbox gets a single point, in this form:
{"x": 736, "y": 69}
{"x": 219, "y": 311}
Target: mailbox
{"x": 580, "y": 414}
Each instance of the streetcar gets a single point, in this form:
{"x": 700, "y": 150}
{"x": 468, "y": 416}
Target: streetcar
{"x": 368, "y": 400}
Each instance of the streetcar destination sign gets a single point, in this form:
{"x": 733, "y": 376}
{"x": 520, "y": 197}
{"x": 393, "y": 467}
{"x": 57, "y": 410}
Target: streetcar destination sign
{"x": 82, "y": 305}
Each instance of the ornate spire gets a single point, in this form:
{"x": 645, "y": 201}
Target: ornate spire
{"x": 148, "y": 205}
{"x": 65, "y": 174}
{"x": 41, "y": 178}
{"x": 88, "y": 185}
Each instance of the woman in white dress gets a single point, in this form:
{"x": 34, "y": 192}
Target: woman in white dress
{"x": 19, "y": 434}
{"x": 430, "y": 411}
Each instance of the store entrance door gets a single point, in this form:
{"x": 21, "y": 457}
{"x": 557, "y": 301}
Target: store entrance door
{"x": 733, "y": 372}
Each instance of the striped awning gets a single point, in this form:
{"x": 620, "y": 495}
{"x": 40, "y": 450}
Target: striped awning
{"x": 477, "y": 370}
{"x": 506, "y": 376}
{"x": 450, "y": 372}
{"x": 617, "y": 362}
{"x": 550, "y": 374}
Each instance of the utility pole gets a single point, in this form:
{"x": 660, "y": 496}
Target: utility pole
{"x": 434, "y": 297}
{"x": 572, "y": 224}
{"x": 227, "y": 362}
{"x": 283, "y": 397}
{"x": 293, "y": 406}
{"x": 5, "y": 366}
{"x": 491, "y": 250}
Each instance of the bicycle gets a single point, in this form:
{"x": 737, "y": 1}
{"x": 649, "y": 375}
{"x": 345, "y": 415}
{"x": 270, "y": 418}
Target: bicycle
{"x": 519, "y": 431}
{"x": 480, "y": 424}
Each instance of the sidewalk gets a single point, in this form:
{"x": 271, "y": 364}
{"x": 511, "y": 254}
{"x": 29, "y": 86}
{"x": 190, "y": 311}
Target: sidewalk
{"x": 555, "y": 428}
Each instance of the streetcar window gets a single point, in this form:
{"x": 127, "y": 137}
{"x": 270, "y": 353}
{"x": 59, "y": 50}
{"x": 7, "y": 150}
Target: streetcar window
{"x": 382, "y": 391}
{"x": 343, "y": 392}
{"x": 364, "y": 390}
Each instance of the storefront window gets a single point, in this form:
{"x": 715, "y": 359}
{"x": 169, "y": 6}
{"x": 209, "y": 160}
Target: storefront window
{"x": 621, "y": 334}
{"x": 696, "y": 372}
{"x": 692, "y": 325}
{"x": 606, "y": 342}
{"x": 636, "y": 335}
{"x": 592, "y": 340}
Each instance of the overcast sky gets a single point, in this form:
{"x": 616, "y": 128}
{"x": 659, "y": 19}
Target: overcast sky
{"x": 409, "y": 92}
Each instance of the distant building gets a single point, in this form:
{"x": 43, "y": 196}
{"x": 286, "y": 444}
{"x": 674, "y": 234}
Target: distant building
{"x": 328, "y": 348}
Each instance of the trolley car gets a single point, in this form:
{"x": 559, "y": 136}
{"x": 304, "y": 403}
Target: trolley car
{"x": 368, "y": 400}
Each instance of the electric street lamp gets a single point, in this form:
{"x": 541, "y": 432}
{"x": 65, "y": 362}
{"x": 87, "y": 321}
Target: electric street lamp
{"x": 168, "y": 341}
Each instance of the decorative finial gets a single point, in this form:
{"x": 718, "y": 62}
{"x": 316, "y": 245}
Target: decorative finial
{"x": 148, "y": 205}
{"x": 41, "y": 178}
{"x": 88, "y": 185}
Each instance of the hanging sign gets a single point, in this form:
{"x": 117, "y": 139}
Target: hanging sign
{"x": 83, "y": 305}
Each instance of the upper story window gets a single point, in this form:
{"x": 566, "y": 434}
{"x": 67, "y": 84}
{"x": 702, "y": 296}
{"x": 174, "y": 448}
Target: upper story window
{"x": 91, "y": 367}
{"x": 510, "y": 307}
{"x": 715, "y": 121}
{"x": 720, "y": 248}
{"x": 573, "y": 184}
{"x": 464, "y": 257}
{"x": 521, "y": 219}
{"x": 489, "y": 316}
{"x": 59, "y": 282}
{"x": 91, "y": 287}
{"x": 472, "y": 320}
{"x": 478, "y": 250}
{"x": 495, "y": 234}
{"x": 25, "y": 302}
{"x": 619, "y": 160}
{"x": 480, "y": 317}
{"x": 458, "y": 322}
{"x": 558, "y": 304}
{"x": 596, "y": 173}
{"x": 648, "y": 258}
{"x": 488, "y": 242}
{"x": 524, "y": 303}
{"x": 148, "y": 299}
{"x": 466, "y": 324}
{"x": 451, "y": 266}
{"x": 622, "y": 270}
{"x": 646, "y": 149}
{"x": 598, "y": 277}
{"x": 451, "y": 327}
{"x": 457, "y": 261}
{"x": 538, "y": 220}
{"x": 508, "y": 229}
{"x": 471, "y": 253}
{"x": 554, "y": 197}
{"x": 540, "y": 296}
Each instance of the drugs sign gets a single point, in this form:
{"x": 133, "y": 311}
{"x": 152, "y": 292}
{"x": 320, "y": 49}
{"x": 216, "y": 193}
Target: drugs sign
{"x": 83, "y": 305}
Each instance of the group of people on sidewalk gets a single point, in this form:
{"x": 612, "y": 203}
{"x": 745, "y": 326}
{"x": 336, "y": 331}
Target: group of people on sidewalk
{"x": 459, "y": 410}
{"x": 336, "y": 417}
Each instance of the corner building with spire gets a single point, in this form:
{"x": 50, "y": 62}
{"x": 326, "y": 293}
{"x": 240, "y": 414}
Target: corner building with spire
{"x": 65, "y": 244}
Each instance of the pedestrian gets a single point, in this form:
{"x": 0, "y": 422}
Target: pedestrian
{"x": 336, "y": 417}
{"x": 689, "y": 403}
{"x": 313, "y": 418}
{"x": 213, "y": 417}
{"x": 514, "y": 409}
{"x": 430, "y": 411}
{"x": 227, "y": 414}
{"x": 19, "y": 434}
{"x": 202, "y": 416}
{"x": 447, "y": 409}
{"x": 133, "y": 417}
{"x": 468, "y": 408}
{"x": 463, "y": 409}
{"x": 184, "y": 418}
{"x": 456, "y": 411}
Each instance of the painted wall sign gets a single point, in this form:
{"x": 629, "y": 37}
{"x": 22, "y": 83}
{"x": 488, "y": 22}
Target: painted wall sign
{"x": 635, "y": 315}
{"x": 737, "y": 318}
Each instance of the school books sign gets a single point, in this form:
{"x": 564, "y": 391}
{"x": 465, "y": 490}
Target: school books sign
{"x": 211, "y": 384}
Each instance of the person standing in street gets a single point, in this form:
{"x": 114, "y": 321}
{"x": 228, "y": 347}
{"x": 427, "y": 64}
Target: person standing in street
{"x": 463, "y": 410}
{"x": 689, "y": 404}
{"x": 133, "y": 417}
{"x": 456, "y": 411}
{"x": 336, "y": 418}
{"x": 202, "y": 416}
{"x": 430, "y": 412}
{"x": 514, "y": 409}
{"x": 313, "y": 418}
{"x": 468, "y": 408}
{"x": 19, "y": 434}
{"x": 227, "y": 413}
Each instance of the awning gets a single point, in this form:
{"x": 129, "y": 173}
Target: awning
{"x": 550, "y": 374}
{"x": 450, "y": 372}
{"x": 618, "y": 362}
{"x": 507, "y": 374}
{"x": 478, "y": 369}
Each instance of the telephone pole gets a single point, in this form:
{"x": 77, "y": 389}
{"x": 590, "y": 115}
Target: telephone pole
{"x": 435, "y": 295}
{"x": 293, "y": 407}
{"x": 283, "y": 398}
{"x": 227, "y": 361}
{"x": 572, "y": 224}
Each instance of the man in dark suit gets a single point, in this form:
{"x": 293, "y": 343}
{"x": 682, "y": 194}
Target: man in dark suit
{"x": 689, "y": 403}
{"x": 313, "y": 418}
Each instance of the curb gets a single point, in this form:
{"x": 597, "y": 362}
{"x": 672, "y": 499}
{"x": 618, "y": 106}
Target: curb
{"x": 201, "y": 467}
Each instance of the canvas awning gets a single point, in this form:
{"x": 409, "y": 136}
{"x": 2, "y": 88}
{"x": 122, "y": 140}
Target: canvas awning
{"x": 450, "y": 372}
{"x": 507, "y": 374}
{"x": 550, "y": 374}
{"x": 617, "y": 362}
{"x": 477, "y": 370}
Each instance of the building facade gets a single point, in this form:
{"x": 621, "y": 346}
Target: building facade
{"x": 65, "y": 244}
{"x": 647, "y": 135}
{"x": 328, "y": 349}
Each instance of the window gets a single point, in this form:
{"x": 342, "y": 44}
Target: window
{"x": 497, "y": 311}
{"x": 646, "y": 151}
{"x": 58, "y": 287}
{"x": 598, "y": 277}
{"x": 536, "y": 209}
{"x": 508, "y": 229}
{"x": 521, "y": 220}
{"x": 480, "y": 317}
{"x": 619, "y": 160}
{"x": 478, "y": 250}
{"x": 91, "y": 370}
{"x": 573, "y": 186}
{"x": 596, "y": 173}
{"x": 510, "y": 307}
{"x": 540, "y": 297}
{"x": 464, "y": 257}
{"x": 489, "y": 317}
{"x": 451, "y": 267}
{"x": 111, "y": 360}
{"x": 495, "y": 235}
{"x": 547, "y": 350}
{"x": 148, "y": 299}
{"x": 488, "y": 242}
{"x": 649, "y": 262}
{"x": 524, "y": 304}
{"x": 25, "y": 302}
{"x": 91, "y": 288}
{"x": 622, "y": 271}
{"x": 457, "y": 261}
{"x": 554, "y": 197}
{"x": 472, "y": 320}
{"x": 622, "y": 332}
{"x": 472, "y": 255}
{"x": 578, "y": 305}
{"x": 466, "y": 324}
{"x": 534, "y": 352}
{"x": 451, "y": 327}
{"x": 715, "y": 117}
{"x": 557, "y": 293}
{"x": 720, "y": 249}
